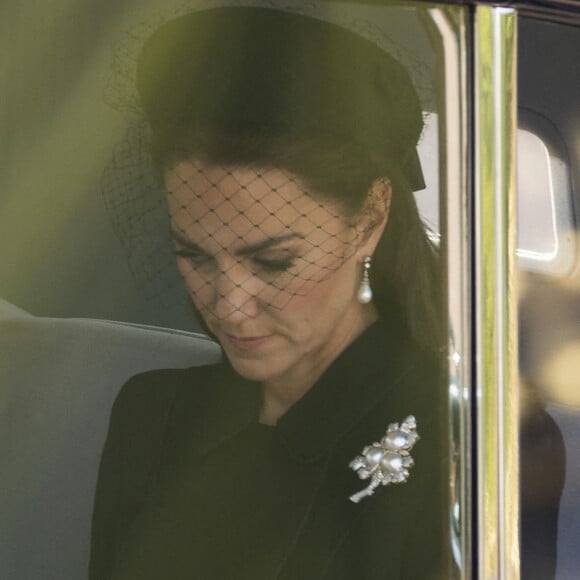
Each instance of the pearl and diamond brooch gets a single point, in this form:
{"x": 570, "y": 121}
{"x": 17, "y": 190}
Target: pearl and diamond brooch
{"x": 388, "y": 461}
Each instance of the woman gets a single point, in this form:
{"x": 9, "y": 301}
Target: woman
{"x": 287, "y": 149}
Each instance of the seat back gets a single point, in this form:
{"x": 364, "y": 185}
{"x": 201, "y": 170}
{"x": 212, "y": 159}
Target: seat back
{"x": 58, "y": 381}
{"x": 9, "y": 310}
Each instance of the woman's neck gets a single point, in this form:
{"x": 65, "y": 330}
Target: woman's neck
{"x": 281, "y": 393}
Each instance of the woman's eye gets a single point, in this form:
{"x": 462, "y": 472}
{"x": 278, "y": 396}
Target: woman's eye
{"x": 192, "y": 256}
{"x": 275, "y": 264}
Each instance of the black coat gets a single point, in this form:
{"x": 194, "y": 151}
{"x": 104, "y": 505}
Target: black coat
{"x": 191, "y": 486}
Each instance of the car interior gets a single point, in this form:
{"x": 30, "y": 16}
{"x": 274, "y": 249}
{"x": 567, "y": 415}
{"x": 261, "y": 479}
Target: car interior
{"x": 79, "y": 313}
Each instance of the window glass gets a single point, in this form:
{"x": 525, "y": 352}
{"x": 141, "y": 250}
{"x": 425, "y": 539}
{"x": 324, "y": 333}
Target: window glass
{"x": 210, "y": 211}
{"x": 70, "y": 104}
{"x": 549, "y": 308}
{"x": 544, "y": 239}
{"x": 428, "y": 200}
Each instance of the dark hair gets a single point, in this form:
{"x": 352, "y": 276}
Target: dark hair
{"x": 260, "y": 87}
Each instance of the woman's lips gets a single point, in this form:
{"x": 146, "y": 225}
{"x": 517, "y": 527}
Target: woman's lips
{"x": 247, "y": 342}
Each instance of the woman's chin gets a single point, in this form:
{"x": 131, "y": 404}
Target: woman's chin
{"x": 253, "y": 369}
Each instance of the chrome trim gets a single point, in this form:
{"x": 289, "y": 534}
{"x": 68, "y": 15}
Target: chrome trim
{"x": 452, "y": 25}
{"x": 495, "y": 299}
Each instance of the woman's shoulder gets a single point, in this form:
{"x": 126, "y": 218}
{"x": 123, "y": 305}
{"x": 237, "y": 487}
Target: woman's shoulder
{"x": 147, "y": 397}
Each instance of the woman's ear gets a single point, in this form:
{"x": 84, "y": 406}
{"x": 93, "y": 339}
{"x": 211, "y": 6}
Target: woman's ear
{"x": 374, "y": 217}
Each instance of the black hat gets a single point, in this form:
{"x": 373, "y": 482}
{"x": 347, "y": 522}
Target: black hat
{"x": 244, "y": 69}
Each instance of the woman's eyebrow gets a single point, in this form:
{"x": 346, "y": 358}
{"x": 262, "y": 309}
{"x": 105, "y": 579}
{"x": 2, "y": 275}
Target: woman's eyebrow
{"x": 246, "y": 250}
{"x": 268, "y": 243}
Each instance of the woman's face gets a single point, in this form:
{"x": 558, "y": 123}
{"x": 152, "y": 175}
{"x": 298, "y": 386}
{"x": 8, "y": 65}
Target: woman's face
{"x": 273, "y": 271}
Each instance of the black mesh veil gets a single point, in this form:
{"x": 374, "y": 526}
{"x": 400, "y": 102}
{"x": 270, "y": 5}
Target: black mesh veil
{"x": 136, "y": 203}
{"x": 248, "y": 238}
{"x": 263, "y": 151}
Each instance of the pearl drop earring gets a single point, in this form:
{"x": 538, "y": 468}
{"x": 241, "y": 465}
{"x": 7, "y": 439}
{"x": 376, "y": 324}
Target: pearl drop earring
{"x": 365, "y": 292}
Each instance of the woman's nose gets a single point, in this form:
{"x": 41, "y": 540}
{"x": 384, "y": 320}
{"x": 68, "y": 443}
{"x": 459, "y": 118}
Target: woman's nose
{"x": 235, "y": 295}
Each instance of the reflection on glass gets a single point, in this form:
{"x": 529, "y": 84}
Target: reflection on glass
{"x": 545, "y": 212}
{"x": 549, "y": 303}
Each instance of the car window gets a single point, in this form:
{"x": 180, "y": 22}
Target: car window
{"x": 87, "y": 233}
{"x": 549, "y": 302}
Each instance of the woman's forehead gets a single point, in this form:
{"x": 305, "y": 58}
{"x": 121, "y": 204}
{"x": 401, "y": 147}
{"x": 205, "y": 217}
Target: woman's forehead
{"x": 189, "y": 181}
{"x": 244, "y": 200}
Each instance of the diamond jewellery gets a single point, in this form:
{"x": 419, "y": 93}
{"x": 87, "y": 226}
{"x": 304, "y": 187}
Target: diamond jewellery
{"x": 388, "y": 461}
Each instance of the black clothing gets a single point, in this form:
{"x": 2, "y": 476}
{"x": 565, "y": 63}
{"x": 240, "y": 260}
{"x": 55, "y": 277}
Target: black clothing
{"x": 193, "y": 487}
{"x": 542, "y": 474}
